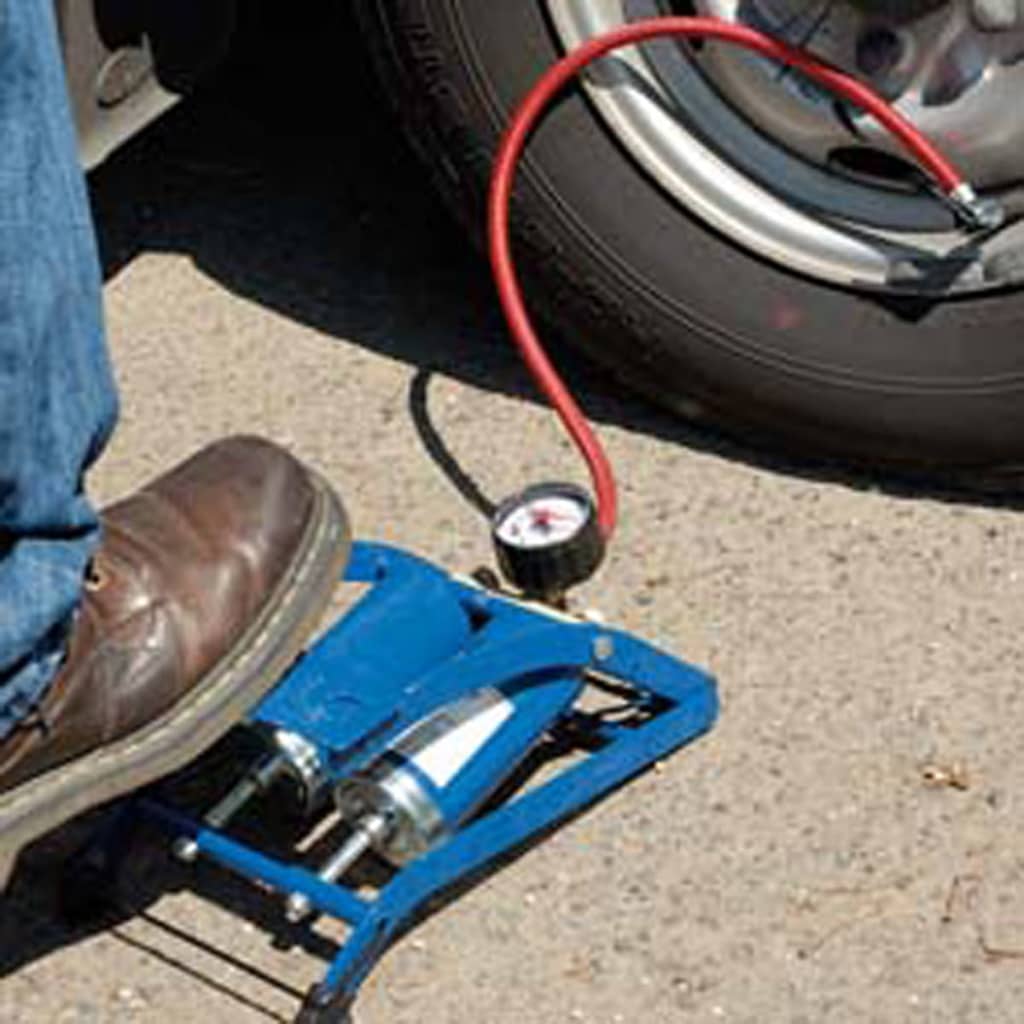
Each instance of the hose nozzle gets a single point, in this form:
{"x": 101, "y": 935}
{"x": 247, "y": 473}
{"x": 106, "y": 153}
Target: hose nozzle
{"x": 976, "y": 213}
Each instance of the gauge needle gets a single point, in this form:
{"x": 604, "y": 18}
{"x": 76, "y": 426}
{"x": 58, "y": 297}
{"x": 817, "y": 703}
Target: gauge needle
{"x": 546, "y": 516}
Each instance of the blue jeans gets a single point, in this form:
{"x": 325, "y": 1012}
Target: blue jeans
{"x": 57, "y": 397}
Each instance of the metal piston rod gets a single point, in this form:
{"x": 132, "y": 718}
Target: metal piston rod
{"x": 366, "y": 834}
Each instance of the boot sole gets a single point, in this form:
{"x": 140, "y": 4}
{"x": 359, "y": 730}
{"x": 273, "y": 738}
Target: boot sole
{"x": 219, "y": 701}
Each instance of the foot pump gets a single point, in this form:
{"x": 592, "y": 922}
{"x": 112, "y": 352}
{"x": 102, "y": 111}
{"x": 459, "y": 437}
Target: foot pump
{"x": 412, "y": 723}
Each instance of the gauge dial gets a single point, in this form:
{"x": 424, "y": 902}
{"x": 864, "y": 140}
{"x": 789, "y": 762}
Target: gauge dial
{"x": 548, "y": 539}
{"x": 543, "y": 521}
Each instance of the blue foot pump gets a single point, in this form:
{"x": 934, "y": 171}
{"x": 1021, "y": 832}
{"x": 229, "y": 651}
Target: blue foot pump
{"x": 415, "y": 717}
{"x": 406, "y": 719}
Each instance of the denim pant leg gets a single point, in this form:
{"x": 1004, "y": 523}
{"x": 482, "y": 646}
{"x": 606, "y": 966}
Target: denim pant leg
{"x": 57, "y": 396}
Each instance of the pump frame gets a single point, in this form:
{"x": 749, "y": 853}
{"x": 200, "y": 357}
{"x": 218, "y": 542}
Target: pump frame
{"x": 505, "y": 640}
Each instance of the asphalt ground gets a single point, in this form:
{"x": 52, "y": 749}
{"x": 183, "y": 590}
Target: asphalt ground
{"x": 846, "y": 846}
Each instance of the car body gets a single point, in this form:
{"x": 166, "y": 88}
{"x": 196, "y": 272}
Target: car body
{"x": 127, "y": 62}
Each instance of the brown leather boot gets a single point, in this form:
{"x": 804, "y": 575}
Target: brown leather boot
{"x": 206, "y": 586}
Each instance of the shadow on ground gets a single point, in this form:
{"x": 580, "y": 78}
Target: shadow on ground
{"x": 52, "y": 903}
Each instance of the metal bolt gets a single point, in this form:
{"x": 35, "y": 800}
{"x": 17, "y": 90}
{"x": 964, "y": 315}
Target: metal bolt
{"x": 998, "y": 15}
{"x": 604, "y": 647}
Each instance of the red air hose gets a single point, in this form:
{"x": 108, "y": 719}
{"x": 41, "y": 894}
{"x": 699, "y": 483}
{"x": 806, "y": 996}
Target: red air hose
{"x": 956, "y": 190}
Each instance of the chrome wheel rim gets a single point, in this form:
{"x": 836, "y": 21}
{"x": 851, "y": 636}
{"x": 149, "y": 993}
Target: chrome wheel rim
{"x": 752, "y": 151}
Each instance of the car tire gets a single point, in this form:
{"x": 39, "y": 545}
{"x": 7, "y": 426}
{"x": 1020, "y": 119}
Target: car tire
{"x": 674, "y": 308}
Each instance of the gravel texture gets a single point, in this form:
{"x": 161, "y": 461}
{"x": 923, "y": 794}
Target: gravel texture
{"x": 844, "y": 847}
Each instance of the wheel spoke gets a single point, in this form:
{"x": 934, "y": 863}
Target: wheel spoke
{"x": 950, "y": 59}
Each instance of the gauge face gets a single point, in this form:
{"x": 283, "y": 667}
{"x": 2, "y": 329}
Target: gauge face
{"x": 543, "y": 521}
{"x": 547, "y": 539}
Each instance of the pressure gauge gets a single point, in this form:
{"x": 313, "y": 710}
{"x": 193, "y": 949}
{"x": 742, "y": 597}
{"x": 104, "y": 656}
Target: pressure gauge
{"x": 548, "y": 538}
